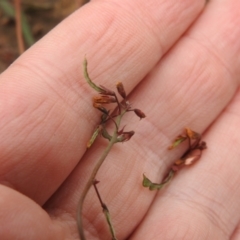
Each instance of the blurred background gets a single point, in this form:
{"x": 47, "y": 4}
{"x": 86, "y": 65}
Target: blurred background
{"x": 23, "y": 22}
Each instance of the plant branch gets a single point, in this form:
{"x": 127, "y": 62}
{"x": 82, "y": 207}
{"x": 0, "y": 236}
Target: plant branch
{"x": 93, "y": 176}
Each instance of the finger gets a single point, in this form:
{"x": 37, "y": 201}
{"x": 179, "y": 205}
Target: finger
{"x": 203, "y": 202}
{"x": 189, "y": 87}
{"x": 236, "y": 233}
{"x": 21, "y": 218}
{"x": 204, "y": 80}
{"x": 45, "y": 120}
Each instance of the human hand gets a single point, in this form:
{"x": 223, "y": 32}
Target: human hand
{"x": 180, "y": 61}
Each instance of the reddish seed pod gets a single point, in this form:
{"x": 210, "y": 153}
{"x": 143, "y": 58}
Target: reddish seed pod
{"x": 121, "y": 90}
{"x": 139, "y": 113}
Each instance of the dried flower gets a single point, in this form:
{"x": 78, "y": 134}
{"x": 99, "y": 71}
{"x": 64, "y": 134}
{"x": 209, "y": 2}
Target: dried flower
{"x": 125, "y": 136}
{"x": 193, "y": 153}
{"x": 191, "y": 134}
{"x": 106, "y": 91}
{"x": 104, "y": 99}
{"x": 101, "y": 108}
{"x": 121, "y": 90}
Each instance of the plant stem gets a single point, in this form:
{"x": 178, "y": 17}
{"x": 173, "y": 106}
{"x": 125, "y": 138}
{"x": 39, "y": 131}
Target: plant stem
{"x": 105, "y": 211}
{"x": 93, "y": 176}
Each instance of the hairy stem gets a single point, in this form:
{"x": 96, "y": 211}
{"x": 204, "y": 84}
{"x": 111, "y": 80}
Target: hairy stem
{"x": 93, "y": 176}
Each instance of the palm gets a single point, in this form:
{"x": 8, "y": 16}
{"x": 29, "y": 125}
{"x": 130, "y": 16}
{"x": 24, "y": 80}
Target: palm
{"x": 47, "y": 118}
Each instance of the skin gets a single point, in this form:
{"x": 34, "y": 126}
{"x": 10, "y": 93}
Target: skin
{"x": 179, "y": 60}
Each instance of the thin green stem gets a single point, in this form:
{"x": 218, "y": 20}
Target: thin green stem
{"x": 93, "y": 176}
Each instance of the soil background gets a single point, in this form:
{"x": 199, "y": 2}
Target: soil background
{"x": 41, "y": 16}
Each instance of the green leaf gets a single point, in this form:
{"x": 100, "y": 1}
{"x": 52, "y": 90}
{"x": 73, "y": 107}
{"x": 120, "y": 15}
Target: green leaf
{"x": 89, "y": 81}
{"x": 157, "y": 186}
{"x": 146, "y": 182}
{"x": 149, "y": 184}
{"x": 177, "y": 141}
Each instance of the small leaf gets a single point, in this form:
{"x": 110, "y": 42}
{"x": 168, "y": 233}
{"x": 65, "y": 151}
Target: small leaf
{"x": 155, "y": 186}
{"x": 94, "y": 136}
{"x": 146, "y": 182}
{"x": 177, "y": 141}
{"x": 125, "y": 136}
{"x": 89, "y": 81}
{"x": 152, "y": 186}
